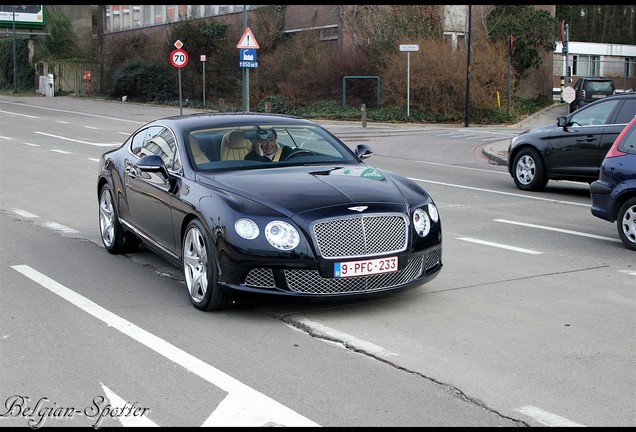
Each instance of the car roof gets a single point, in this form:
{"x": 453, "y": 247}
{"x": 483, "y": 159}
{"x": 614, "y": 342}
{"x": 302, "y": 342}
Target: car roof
{"x": 229, "y": 119}
{"x": 626, "y": 95}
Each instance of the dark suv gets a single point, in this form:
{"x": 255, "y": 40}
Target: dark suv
{"x": 590, "y": 89}
{"x": 573, "y": 148}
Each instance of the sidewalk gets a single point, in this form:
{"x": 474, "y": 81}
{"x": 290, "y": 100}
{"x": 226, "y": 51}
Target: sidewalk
{"x": 498, "y": 151}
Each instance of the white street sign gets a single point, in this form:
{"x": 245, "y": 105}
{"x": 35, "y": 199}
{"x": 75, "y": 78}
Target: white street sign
{"x": 569, "y": 94}
{"x": 409, "y": 47}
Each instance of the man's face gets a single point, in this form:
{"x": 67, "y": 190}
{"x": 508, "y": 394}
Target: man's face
{"x": 268, "y": 146}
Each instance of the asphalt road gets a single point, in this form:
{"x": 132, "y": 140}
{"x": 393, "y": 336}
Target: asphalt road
{"x": 530, "y": 323}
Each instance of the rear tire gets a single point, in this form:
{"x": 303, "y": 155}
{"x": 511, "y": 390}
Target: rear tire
{"x": 626, "y": 223}
{"x": 200, "y": 269}
{"x": 528, "y": 170}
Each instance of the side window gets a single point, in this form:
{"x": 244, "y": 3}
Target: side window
{"x": 171, "y": 158}
{"x": 628, "y": 143}
{"x": 137, "y": 144}
{"x": 159, "y": 141}
{"x": 597, "y": 114}
{"x": 627, "y": 112}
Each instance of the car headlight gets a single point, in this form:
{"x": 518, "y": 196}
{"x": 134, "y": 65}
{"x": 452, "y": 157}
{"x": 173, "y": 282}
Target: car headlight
{"x": 282, "y": 235}
{"x": 421, "y": 222}
{"x": 433, "y": 213}
{"x": 246, "y": 228}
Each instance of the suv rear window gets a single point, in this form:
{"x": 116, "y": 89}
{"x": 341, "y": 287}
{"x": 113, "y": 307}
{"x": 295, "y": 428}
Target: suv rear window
{"x": 599, "y": 86}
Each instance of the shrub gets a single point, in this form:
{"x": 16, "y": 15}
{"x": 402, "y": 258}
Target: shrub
{"x": 24, "y": 72}
{"x": 146, "y": 82}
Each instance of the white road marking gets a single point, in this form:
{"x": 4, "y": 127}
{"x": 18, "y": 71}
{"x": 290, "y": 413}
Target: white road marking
{"x": 93, "y": 159}
{"x": 130, "y": 420}
{"x": 628, "y": 272}
{"x": 77, "y": 141}
{"x": 21, "y": 115}
{"x": 60, "y": 151}
{"x": 24, "y": 213}
{"x": 245, "y": 406}
{"x": 547, "y": 418}
{"x": 499, "y": 245}
{"x": 90, "y": 127}
{"x": 61, "y": 228}
{"x": 547, "y": 228}
{"x": 493, "y": 191}
{"x": 75, "y": 112}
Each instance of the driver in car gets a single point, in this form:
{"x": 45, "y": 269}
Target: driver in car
{"x": 267, "y": 149}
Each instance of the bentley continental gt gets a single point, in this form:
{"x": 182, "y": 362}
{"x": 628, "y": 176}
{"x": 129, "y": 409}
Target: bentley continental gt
{"x": 253, "y": 205}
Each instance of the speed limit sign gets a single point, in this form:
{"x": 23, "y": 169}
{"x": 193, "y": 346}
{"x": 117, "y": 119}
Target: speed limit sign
{"x": 179, "y": 58}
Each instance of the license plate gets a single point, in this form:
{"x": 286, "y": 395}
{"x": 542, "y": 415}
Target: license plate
{"x": 598, "y": 96}
{"x": 365, "y": 267}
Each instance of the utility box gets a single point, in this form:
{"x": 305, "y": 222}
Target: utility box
{"x": 49, "y": 86}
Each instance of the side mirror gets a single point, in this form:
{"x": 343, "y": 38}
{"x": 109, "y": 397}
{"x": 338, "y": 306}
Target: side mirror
{"x": 562, "y": 122}
{"x": 363, "y": 151}
{"x": 152, "y": 163}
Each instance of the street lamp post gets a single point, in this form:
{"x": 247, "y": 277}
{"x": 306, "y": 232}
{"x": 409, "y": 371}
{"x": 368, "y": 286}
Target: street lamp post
{"x": 15, "y": 82}
{"x": 467, "y": 116}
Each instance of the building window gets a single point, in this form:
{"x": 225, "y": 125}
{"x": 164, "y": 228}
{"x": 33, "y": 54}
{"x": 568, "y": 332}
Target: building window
{"x": 455, "y": 38}
{"x": 586, "y": 65}
{"x": 630, "y": 66}
{"x": 596, "y": 65}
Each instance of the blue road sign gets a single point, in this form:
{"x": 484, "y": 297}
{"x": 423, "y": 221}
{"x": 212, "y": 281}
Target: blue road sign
{"x": 247, "y": 58}
{"x": 247, "y": 55}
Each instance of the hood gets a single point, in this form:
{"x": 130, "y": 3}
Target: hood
{"x": 543, "y": 130}
{"x": 535, "y": 134}
{"x": 304, "y": 188}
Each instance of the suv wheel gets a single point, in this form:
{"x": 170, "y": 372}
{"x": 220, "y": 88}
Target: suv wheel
{"x": 528, "y": 170}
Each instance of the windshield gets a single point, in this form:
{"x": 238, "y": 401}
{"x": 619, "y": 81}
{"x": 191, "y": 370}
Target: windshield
{"x": 263, "y": 145}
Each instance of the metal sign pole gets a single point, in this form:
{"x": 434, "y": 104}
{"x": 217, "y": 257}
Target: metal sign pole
{"x": 15, "y": 81}
{"x": 246, "y": 71}
{"x": 408, "y": 84}
{"x": 203, "y": 58}
{"x": 408, "y": 49}
{"x": 180, "y": 100}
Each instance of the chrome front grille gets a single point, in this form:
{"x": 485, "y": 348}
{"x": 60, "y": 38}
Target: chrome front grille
{"x": 260, "y": 278}
{"x": 310, "y": 281}
{"x": 361, "y": 236}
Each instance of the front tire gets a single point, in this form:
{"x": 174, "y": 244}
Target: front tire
{"x": 109, "y": 226}
{"x": 528, "y": 171}
{"x": 200, "y": 269}
{"x": 626, "y": 223}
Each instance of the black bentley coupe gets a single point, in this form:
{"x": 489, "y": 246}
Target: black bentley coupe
{"x": 252, "y": 205}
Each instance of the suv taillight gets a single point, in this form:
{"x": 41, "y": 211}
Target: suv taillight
{"x": 582, "y": 94}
